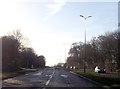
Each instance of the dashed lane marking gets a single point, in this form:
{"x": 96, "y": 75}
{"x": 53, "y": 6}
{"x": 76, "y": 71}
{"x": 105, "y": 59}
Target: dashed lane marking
{"x": 50, "y": 78}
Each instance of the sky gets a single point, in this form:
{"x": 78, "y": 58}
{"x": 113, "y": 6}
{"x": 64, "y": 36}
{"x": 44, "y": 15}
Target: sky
{"x": 53, "y": 25}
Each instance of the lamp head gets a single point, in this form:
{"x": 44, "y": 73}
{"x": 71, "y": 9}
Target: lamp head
{"x": 81, "y": 16}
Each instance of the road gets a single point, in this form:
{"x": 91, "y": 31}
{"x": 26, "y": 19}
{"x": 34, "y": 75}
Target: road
{"x": 48, "y": 77}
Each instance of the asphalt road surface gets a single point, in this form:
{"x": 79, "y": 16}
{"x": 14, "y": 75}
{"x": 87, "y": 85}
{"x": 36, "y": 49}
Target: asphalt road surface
{"x": 49, "y": 77}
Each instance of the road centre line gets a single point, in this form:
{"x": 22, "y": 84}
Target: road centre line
{"x": 47, "y": 82}
{"x": 50, "y": 78}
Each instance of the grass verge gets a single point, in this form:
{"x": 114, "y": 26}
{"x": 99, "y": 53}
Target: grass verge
{"x": 104, "y": 80}
{"x": 15, "y": 73}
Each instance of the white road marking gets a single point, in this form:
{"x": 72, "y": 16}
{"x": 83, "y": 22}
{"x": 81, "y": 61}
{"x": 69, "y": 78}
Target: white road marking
{"x": 67, "y": 81}
{"x": 47, "y": 82}
{"x": 46, "y": 75}
{"x": 50, "y": 78}
{"x": 64, "y": 76}
{"x": 39, "y": 73}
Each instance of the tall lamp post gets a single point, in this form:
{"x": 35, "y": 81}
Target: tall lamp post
{"x": 85, "y": 41}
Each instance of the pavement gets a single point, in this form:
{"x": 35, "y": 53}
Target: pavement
{"x": 46, "y": 78}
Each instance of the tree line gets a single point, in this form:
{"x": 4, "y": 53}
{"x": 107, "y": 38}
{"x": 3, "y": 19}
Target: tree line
{"x": 15, "y": 55}
{"x": 102, "y": 51}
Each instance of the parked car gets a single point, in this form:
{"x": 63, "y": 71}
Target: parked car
{"x": 100, "y": 69}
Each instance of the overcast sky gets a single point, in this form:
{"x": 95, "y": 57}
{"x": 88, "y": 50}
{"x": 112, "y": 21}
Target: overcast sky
{"x": 53, "y": 25}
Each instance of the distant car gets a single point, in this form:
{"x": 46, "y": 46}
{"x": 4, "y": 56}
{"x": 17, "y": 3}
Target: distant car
{"x": 57, "y": 68}
{"x": 100, "y": 69}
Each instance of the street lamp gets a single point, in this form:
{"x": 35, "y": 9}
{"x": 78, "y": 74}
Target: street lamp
{"x": 65, "y": 51}
{"x": 85, "y": 41}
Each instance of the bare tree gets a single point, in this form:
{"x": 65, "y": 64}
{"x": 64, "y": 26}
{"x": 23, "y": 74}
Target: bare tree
{"x": 24, "y": 41}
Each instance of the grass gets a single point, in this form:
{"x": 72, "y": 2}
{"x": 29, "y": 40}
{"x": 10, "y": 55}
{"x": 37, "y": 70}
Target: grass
{"x": 104, "y": 80}
{"x": 5, "y": 75}
{"x": 28, "y": 69}
{"x": 10, "y": 74}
